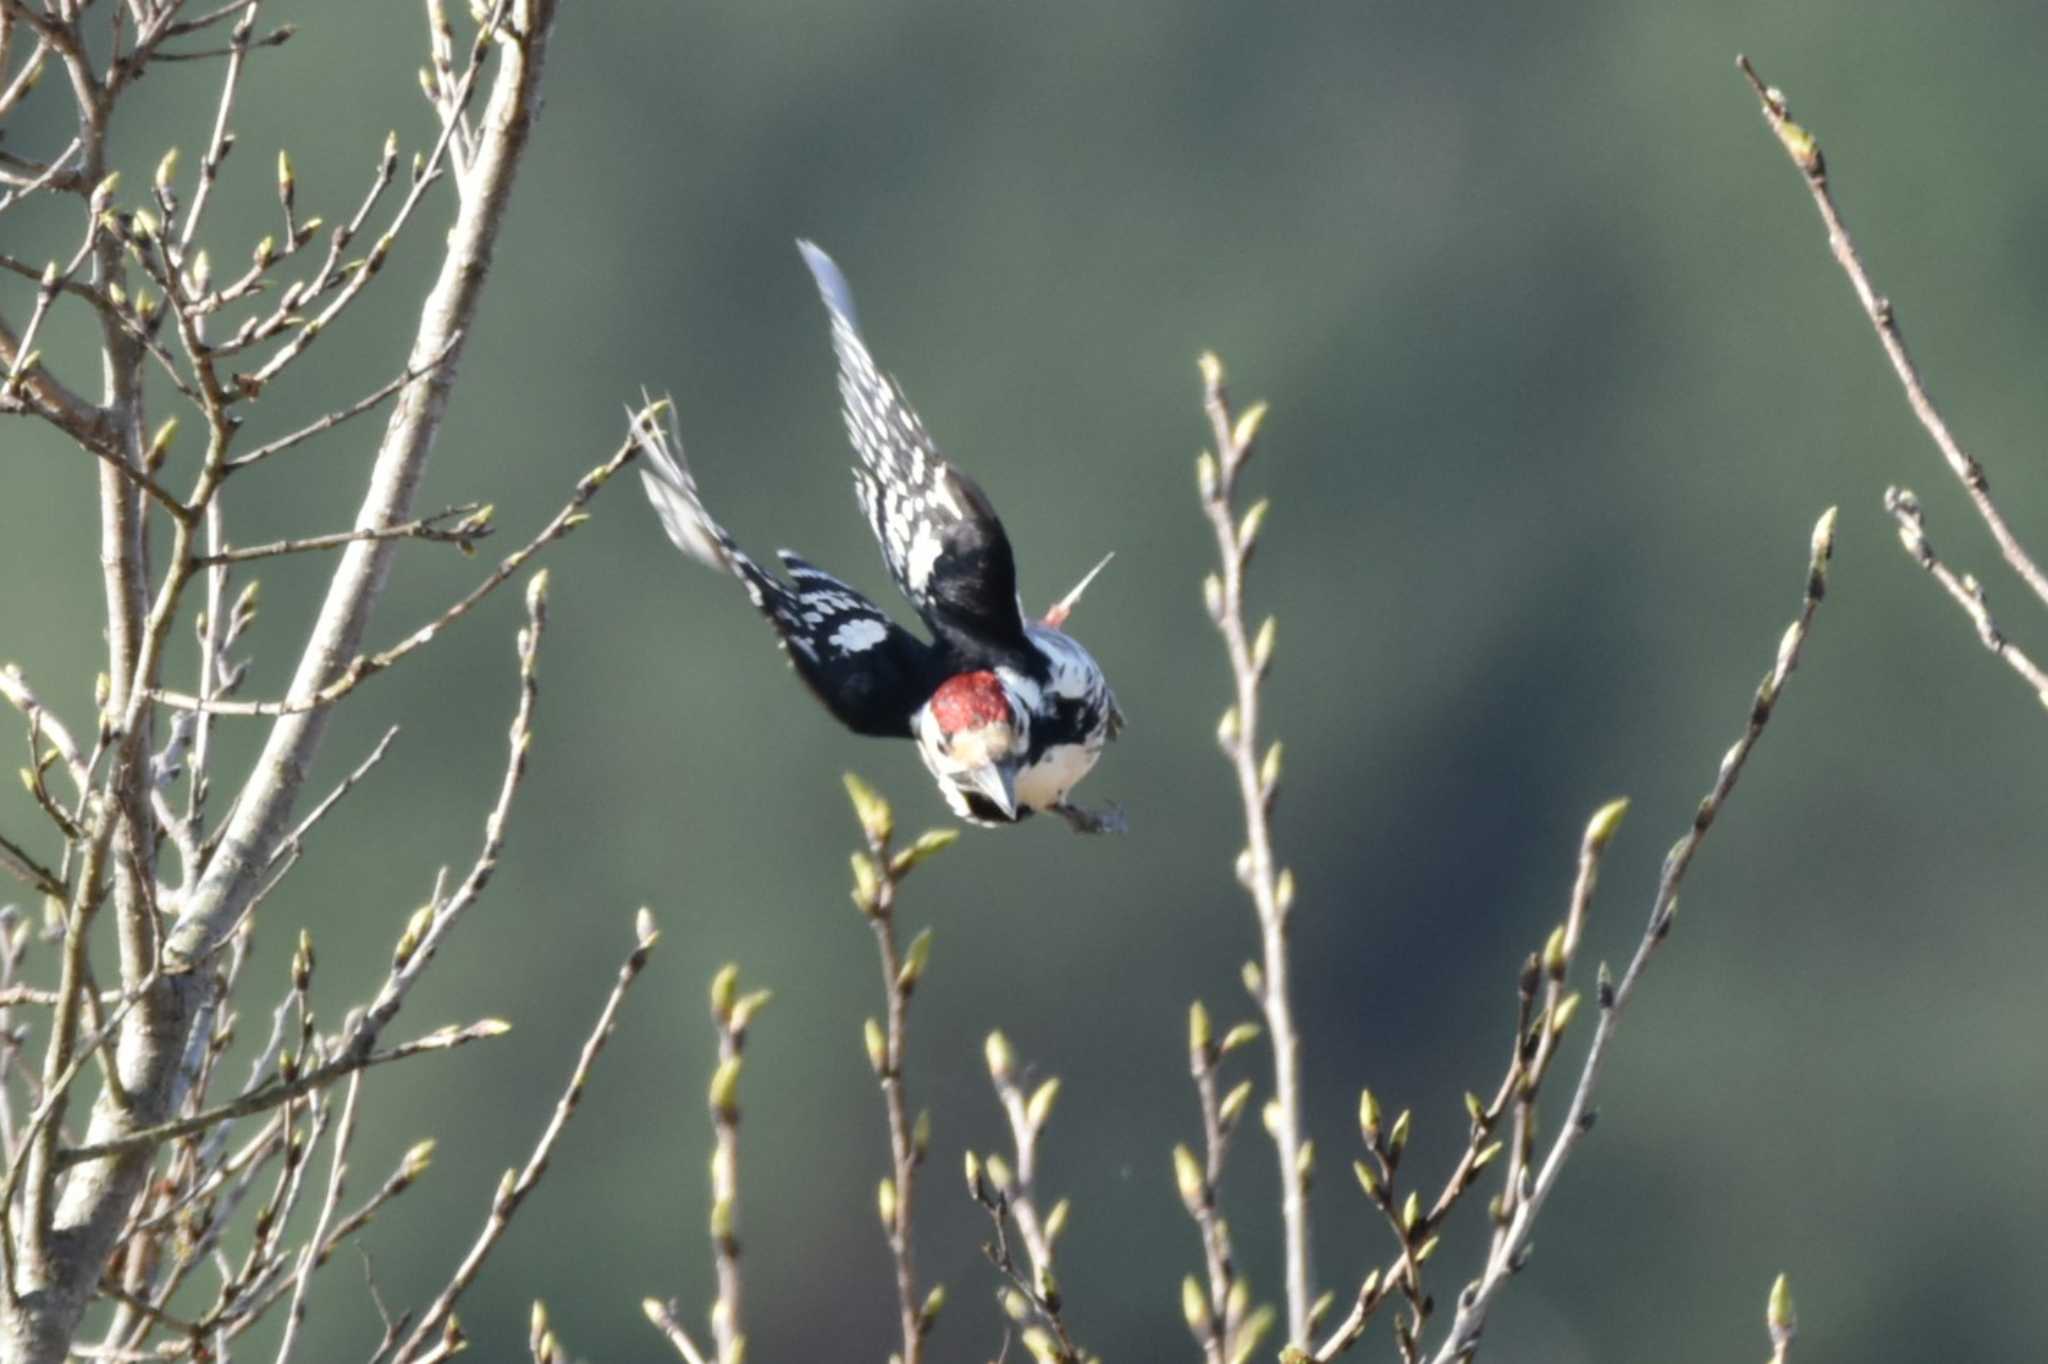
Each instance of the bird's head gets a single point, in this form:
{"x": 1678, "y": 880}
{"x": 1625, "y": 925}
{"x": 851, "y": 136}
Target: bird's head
{"x": 973, "y": 735}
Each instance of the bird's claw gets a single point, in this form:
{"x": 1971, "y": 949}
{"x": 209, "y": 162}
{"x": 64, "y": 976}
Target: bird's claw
{"x": 1109, "y": 820}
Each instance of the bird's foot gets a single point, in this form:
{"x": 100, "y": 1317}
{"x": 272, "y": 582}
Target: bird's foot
{"x": 1109, "y": 820}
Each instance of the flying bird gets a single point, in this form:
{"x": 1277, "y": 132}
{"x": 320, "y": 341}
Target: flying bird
{"x": 1008, "y": 713}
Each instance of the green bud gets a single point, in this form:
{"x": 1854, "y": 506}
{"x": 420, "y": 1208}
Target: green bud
{"x": 1238, "y": 1036}
{"x": 724, "y": 1217}
{"x": 877, "y": 1044}
{"x": 1398, "y": 1138}
{"x": 914, "y": 960}
{"x": 885, "y": 1203}
{"x": 1600, "y": 830}
{"x": 1194, "y": 1305}
{"x": 749, "y": 1004}
{"x": 725, "y": 1089}
{"x": 928, "y": 843}
{"x": 1233, "y": 1103}
{"x": 1254, "y": 520}
{"x": 1262, "y": 645}
{"x": 1252, "y": 1329}
{"x": 1198, "y": 1031}
{"x": 1566, "y": 1007}
{"x": 1247, "y": 429}
{"x": 1040, "y": 1106}
{"x": 724, "y": 991}
{"x": 1779, "y": 1312}
{"x": 1188, "y": 1176}
{"x": 1824, "y": 541}
{"x": 876, "y": 819}
{"x": 1001, "y": 1060}
{"x": 867, "y": 883}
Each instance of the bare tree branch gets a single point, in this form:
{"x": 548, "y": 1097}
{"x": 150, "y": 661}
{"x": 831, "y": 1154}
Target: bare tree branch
{"x": 517, "y": 1184}
{"x": 1799, "y": 144}
{"x": 1964, "y": 588}
{"x": 355, "y": 409}
{"x": 1258, "y": 775}
{"x": 363, "y": 666}
{"x": 472, "y": 524}
{"x": 1511, "y": 1247}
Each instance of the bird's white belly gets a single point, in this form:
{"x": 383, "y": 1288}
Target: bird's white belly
{"x": 1046, "y": 782}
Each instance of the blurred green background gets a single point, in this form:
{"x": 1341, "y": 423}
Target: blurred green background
{"x": 1561, "y": 375}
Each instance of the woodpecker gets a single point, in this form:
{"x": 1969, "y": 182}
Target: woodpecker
{"x": 1008, "y": 713}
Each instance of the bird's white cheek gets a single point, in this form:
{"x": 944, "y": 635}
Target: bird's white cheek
{"x": 1046, "y": 782}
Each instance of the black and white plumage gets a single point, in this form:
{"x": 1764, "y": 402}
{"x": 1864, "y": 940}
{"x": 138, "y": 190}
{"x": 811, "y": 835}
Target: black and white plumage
{"x": 1008, "y": 713}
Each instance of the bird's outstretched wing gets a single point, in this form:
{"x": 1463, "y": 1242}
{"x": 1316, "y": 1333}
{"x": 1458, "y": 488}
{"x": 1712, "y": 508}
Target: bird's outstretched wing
{"x": 940, "y": 537}
{"x": 868, "y": 671}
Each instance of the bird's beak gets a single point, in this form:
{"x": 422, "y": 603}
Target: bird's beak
{"x": 998, "y": 782}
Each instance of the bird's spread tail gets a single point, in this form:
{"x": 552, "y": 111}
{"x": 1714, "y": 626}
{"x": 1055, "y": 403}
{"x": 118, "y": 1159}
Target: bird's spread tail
{"x": 666, "y": 476}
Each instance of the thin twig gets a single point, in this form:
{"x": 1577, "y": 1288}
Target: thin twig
{"x": 1271, "y": 888}
{"x": 364, "y": 666}
{"x": 472, "y": 524}
{"x": 410, "y": 374}
{"x": 1006, "y": 1191}
{"x": 663, "y": 1315}
{"x": 18, "y": 861}
{"x": 1964, "y": 588}
{"x": 281, "y": 1092}
{"x": 732, "y": 1014}
{"x": 372, "y": 263}
{"x": 297, "y": 836}
{"x": 1511, "y": 1248}
{"x": 1222, "y": 1324}
{"x": 1799, "y": 144}
{"x": 1781, "y": 1320}
{"x": 310, "y": 1254}
{"x": 877, "y": 873}
{"x": 516, "y": 1185}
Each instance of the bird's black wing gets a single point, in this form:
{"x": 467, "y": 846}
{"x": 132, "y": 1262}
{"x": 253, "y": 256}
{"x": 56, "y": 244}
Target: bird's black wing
{"x": 939, "y": 536}
{"x": 868, "y": 671}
